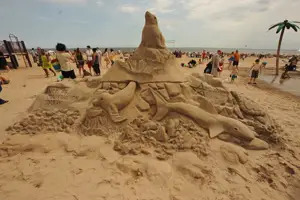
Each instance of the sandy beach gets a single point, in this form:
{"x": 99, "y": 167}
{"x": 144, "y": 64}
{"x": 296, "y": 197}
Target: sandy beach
{"x": 60, "y": 165}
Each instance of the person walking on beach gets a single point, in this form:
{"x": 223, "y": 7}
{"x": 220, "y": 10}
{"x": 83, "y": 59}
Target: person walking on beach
{"x": 79, "y": 61}
{"x": 236, "y": 59}
{"x": 65, "y": 58}
{"x": 255, "y": 70}
{"x": 216, "y": 63}
{"x": 89, "y": 56}
{"x": 46, "y": 63}
{"x": 96, "y": 62}
{"x": 3, "y": 62}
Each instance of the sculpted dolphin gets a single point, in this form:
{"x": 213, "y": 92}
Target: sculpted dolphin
{"x": 112, "y": 103}
{"x": 216, "y": 124}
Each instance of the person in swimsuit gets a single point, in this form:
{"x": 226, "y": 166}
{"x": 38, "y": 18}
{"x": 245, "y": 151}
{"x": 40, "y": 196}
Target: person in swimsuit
{"x": 79, "y": 61}
{"x": 255, "y": 70}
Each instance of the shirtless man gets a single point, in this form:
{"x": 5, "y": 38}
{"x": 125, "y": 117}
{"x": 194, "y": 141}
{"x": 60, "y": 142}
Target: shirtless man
{"x": 255, "y": 69}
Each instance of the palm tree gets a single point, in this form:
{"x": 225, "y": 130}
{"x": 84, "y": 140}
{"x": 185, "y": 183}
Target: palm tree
{"x": 281, "y": 28}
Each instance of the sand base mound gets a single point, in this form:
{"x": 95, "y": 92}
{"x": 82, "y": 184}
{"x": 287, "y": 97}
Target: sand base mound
{"x": 146, "y": 135}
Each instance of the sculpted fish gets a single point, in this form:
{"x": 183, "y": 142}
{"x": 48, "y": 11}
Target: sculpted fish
{"x": 216, "y": 124}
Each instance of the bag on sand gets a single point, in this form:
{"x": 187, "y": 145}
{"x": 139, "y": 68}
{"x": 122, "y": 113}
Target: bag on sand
{"x": 208, "y": 68}
{"x": 56, "y": 65}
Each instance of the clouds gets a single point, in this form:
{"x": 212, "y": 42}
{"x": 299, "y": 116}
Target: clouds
{"x": 65, "y": 1}
{"x": 129, "y": 9}
{"x": 100, "y": 3}
{"x": 211, "y": 23}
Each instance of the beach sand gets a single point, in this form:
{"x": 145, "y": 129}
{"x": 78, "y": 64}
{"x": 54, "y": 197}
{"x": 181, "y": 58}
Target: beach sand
{"x": 72, "y": 167}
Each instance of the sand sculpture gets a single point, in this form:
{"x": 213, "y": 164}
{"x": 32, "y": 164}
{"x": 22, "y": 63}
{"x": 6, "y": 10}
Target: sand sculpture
{"x": 147, "y": 101}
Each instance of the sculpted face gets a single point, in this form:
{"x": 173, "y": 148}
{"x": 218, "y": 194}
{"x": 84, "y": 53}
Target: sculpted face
{"x": 150, "y": 19}
{"x": 101, "y": 100}
{"x": 238, "y": 128}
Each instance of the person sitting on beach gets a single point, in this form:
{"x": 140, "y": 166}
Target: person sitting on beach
{"x": 96, "y": 62}
{"x": 89, "y": 56}
{"x": 3, "y": 62}
{"x": 255, "y": 70}
{"x": 2, "y": 82}
{"x": 65, "y": 58}
{"x": 192, "y": 63}
{"x": 208, "y": 68}
{"x": 46, "y": 63}
{"x": 79, "y": 61}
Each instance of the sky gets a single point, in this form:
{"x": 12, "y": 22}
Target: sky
{"x": 119, "y": 23}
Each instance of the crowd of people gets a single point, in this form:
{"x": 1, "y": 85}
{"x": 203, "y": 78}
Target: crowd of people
{"x": 88, "y": 63}
{"x": 92, "y": 61}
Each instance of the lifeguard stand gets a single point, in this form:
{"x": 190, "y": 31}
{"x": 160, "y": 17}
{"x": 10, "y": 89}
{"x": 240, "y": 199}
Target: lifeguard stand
{"x": 14, "y": 48}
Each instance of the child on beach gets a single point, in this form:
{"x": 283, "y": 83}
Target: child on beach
{"x": 255, "y": 70}
{"x": 234, "y": 74}
{"x": 46, "y": 63}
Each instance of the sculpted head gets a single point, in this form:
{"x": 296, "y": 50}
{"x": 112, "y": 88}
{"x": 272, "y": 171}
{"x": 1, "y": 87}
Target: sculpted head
{"x": 150, "y": 19}
{"x": 102, "y": 99}
{"x": 237, "y": 128}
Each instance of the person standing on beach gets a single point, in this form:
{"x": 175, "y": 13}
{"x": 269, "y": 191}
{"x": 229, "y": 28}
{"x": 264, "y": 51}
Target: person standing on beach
{"x": 65, "y": 58}
{"x": 46, "y": 63}
{"x": 230, "y": 60}
{"x": 255, "y": 70}
{"x": 106, "y": 58}
{"x": 79, "y": 61}
{"x": 236, "y": 59}
{"x": 216, "y": 63}
{"x": 96, "y": 62}
{"x": 3, "y": 62}
{"x": 39, "y": 56}
{"x": 89, "y": 56}
{"x": 204, "y": 55}
{"x": 34, "y": 55}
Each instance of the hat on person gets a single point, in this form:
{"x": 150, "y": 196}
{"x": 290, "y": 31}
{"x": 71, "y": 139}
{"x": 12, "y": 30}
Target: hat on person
{"x": 264, "y": 63}
{"x": 219, "y": 51}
